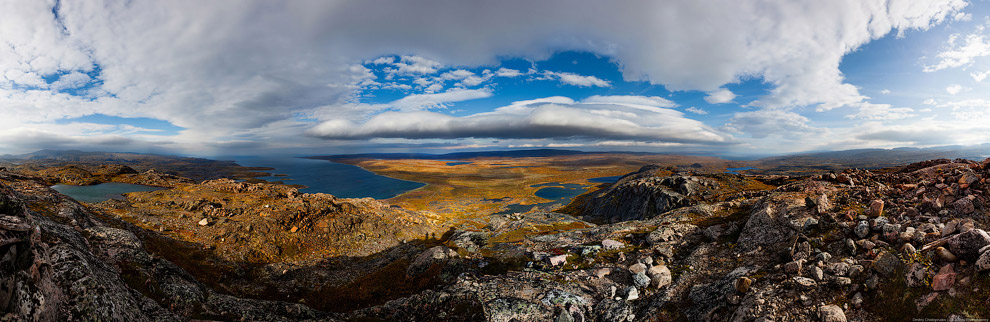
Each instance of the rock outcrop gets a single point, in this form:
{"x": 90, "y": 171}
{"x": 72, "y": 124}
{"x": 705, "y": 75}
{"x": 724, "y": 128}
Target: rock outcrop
{"x": 817, "y": 248}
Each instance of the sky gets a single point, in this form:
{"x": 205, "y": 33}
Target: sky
{"x": 725, "y": 78}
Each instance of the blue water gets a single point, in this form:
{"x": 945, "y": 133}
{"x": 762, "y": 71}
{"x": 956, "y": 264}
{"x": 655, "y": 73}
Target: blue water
{"x": 558, "y": 193}
{"x": 459, "y": 163}
{"x": 610, "y": 179}
{"x": 737, "y": 170}
{"x": 338, "y": 179}
{"x": 101, "y": 192}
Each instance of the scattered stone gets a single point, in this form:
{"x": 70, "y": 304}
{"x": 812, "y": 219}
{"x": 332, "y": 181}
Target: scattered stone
{"x": 945, "y": 278}
{"x": 872, "y": 282}
{"x": 963, "y": 206}
{"x": 660, "y": 275}
{"x": 915, "y": 276}
{"x": 637, "y": 268}
{"x": 294, "y": 229}
{"x": 794, "y": 267}
{"x": 804, "y": 282}
{"x": 641, "y": 280}
{"x": 831, "y": 313}
{"x": 908, "y": 249}
{"x": 862, "y": 229}
{"x": 632, "y": 293}
{"x": 602, "y": 272}
{"x": 743, "y": 284}
{"x": 887, "y": 264}
{"x": 838, "y": 269}
{"x": 983, "y": 263}
{"x": 856, "y": 270}
{"x": 817, "y": 273}
{"x": 204, "y": 222}
{"x": 876, "y": 208}
{"x": 843, "y": 281}
{"x": 949, "y": 227}
{"x": 857, "y": 300}
{"x": 557, "y": 260}
{"x": 946, "y": 255}
{"x": 610, "y": 244}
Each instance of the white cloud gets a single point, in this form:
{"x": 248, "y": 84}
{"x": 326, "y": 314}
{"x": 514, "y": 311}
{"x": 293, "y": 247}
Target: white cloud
{"x": 433, "y": 88}
{"x": 577, "y": 80}
{"x": 956, "y": 89}
{"x": 979, "y": 76}
{"x": 387, "y": 60}
{"x": 696, "y": 110}
{"x": 232, "y": 71}
{"x": 963, "y": 54}
{"x": 885, "y": 91}
{"x": 872, "y": 111}
{"x": 417, "y": 65}
{"x": 763, "y": 123}
{"x": 930, "y": 101}
{"x": 553, "y": 117}
{"x": 720, "y": 96}
{"x": 630, "y": 100}
{"x": 438, "y": 100}
{"x": 507, "y": 72}
{"x": 466, "y": 77}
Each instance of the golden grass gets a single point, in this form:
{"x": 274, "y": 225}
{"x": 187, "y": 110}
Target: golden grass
{"x": 489, "y": 184}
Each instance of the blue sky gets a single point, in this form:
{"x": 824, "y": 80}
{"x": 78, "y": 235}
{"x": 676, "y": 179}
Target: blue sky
{"x": 730, "y": 78}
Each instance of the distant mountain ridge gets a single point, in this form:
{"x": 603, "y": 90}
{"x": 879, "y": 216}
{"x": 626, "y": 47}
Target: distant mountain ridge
{"x": 458, "y": 155}
{"x": 872, "y": 158}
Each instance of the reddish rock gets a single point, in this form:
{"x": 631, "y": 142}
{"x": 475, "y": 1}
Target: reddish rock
{"x": 558, "y": 260}
{"x": 876, "y": 208}
{"x": 945, "y": 278}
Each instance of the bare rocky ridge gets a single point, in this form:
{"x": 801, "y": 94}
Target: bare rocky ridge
{"x": 859, "y": 245}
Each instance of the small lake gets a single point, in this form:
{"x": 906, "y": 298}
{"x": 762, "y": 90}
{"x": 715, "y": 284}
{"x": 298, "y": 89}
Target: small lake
{"x": 738, "y": 170}
{"x": 610, "y": 179}
{"x": 459, "y": 163}
{"x": 338, "y": 179}
{"x": 558, "y": 193}
{"x": 101, "y": 192}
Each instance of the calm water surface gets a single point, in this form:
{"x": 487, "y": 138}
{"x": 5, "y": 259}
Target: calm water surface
{"x": 338, "y": 179}
{"x": 101, "y": 192}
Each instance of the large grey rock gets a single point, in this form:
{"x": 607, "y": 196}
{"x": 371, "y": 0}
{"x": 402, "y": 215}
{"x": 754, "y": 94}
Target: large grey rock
{"x": 831, "y": 313}
{"x": 967, "y": 245}
{"x": 763, "y": 228}
{"x": 433, "y": 255}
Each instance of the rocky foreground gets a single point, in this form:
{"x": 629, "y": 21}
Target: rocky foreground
{"x": 880, "y": 245}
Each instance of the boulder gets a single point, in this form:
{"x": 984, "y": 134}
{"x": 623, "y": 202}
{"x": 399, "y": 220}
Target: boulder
{"x": 429, "y": 257}
{"x": 831, "y": 313}
{"x": 967, "y": 245}
{"x": 660, "y": 275}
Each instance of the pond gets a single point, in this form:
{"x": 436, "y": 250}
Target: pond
{"x": 737, "y": 170}
{"x": 557, "y": 193}
{"x": 101, "y": 192}
{"x": 609, "y": 179}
